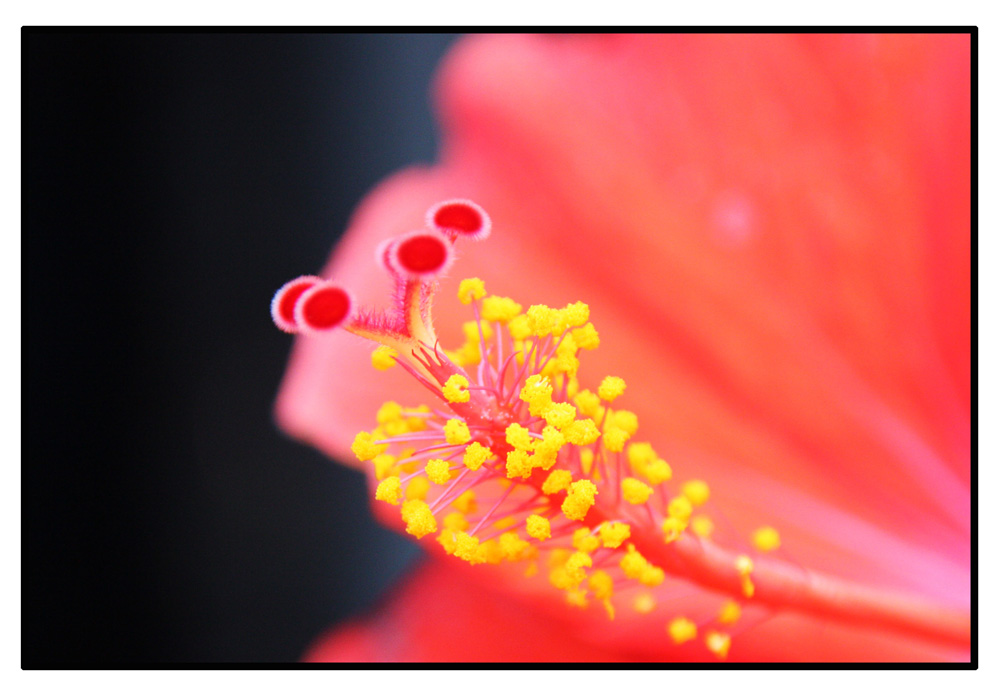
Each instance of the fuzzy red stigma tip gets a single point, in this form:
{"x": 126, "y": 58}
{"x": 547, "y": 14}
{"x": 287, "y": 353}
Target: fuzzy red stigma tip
{"x": 323, "y": 307}
{"x": 459, "y": 218}
{"x": 420, "y": 255}
{"x": 283, "y": 304}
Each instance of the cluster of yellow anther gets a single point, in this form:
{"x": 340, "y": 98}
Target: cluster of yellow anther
{"x": 561, "y": 453}
{"x": 638, "y": 568}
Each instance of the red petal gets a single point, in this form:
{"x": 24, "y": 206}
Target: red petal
{"x": 757, "y": 208}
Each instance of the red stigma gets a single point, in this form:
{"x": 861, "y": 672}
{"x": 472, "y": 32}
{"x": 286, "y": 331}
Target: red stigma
{"x": 283, "y": 304}
{"x": 324, "y": 306}
{"x": 420, "y": 255}
{"x": 459, "y": 218}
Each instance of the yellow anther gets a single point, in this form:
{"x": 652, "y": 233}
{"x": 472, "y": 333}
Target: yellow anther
{"x": 476, "y": 455}
{"x": 639, "y": 455}
{"x": 679, "y": 507}
{"x": 627, "y": 421}
{"x": 577, "y": 597}
{"x": 549, "y": 369}
{"x": 389, "y": 412}
{"x": 611, "y": 388}
{"x": 394, "y": 428}
{"x": 644, "y": 603}
{"x": 572, "y": 387}
{"x": 702, "y": 525}
{"x": 472, "y": 329}
{"x": 579, "y": 500}
{"x": 364, "y": 447}
{"x": 586, "y": 337}
{"x": 520, "y": 437}
{"x": 584, "y": 541}
{"x": 582, "y": 432}
{"x": 410, "y": 466}
{"x": 447, "y": 540}
{"x": 558, "y": 480}
{"x": 456, "y": 389}
{"x": 588, "y": 402}
{"x": 682, "y": 630}
{"x": 766, "y": 539}
{"x": 718, "y": 643}
{"x": 578, "y": 561}
{"x": 465, "y": 503}
{"x": 696, "y": 491}
{"x": 416, "y": 423}
{"x": 389, "y": 490}
{"x": 552, "y": 437}
{"x": 471, "y": 289}
{"x": 437, "y": 471}
{"x": 564, "y": 363}
{"x": 456, "y": 432}
{"x": 541, "y": 319}
{"x": 466, "y": 546}
{"x": 468, "y": 354}
{"x": 519, "y": 329}
{"x": 547, "y": 449}
{"x": 601, "y": 584}
{"x": 505, "y": 522}
{"x": 563, "y": 580}
{"x": 658, "y": 471}
{"x": 614, "y": 533}
{"x": 730, "y": 612}
{"x": 538, "y": 527}
{"x": 635, "y": 491}
{"x": 633, "y": 563}
{"x": 744, "y": 565}
{"x": 383, "y": 358}
{"x": 489, "y": 552}
{"x": 651, "y": 576}
{"x": 544, "y": 458}
{"x": 537, "y": 391}
{"x": 614, "y": 439}
{"x": 586, "y": 460}
{"x": 559, "y": 415}
{"x": 672, "y": 529}
{"x": 518, "y": 464}
{"x": 417, "y": 488}
{"x": 419, "y": 518}
{"x": 501, "y": 309}
{"x": 575, "y": 314}
{"x": 455, "y": 521}
{"x": 383, "y": 465}
{"x": 567, "y": 347}
{"x": 571, "y": 573}
{"x": 512, "y": 546}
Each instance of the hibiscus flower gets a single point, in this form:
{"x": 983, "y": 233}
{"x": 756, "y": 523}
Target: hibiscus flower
{"x": 772, "y": 233}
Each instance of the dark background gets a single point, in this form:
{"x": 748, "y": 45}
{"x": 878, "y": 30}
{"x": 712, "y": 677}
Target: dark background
{"x": 171, "y": 183}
